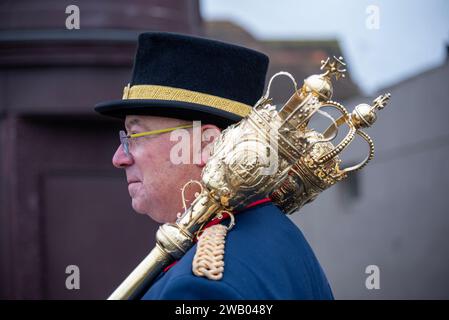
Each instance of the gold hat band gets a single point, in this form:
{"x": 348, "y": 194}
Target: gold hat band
{"x": 176, "y": 94}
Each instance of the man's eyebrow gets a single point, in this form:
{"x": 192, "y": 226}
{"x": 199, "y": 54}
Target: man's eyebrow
{"x": 132, "y": 122}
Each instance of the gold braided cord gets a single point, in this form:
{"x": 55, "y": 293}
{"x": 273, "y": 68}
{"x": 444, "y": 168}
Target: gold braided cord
{"x": 176, "y": 94}
{"x": 209, "y": 258}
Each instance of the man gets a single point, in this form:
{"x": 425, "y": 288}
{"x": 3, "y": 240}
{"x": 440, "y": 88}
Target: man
{"x": 177, "y": 79}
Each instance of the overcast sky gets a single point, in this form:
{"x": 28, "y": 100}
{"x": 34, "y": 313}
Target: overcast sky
{"x": 412, "y": 35}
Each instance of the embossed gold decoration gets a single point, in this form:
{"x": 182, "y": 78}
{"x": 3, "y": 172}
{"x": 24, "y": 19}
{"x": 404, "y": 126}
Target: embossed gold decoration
{"x": 268, "y": 153}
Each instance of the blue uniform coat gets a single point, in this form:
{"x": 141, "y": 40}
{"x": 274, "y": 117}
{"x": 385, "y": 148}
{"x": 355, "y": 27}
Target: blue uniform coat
{"x": 266, "y": 257}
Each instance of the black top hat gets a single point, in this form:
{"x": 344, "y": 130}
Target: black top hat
{"x": 191, "y": 78}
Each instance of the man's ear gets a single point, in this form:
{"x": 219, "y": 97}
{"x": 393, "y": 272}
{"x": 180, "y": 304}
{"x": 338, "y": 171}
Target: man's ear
{"x": 209, "y": 134}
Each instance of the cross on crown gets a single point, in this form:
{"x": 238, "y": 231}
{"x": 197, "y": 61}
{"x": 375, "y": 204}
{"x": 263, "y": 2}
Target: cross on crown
{"x": 333, "y": 67}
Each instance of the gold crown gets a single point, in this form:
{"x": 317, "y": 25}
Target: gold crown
{"x": 318, "y": 166}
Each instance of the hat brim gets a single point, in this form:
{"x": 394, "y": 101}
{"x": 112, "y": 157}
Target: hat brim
{"x": 172, "y": 109}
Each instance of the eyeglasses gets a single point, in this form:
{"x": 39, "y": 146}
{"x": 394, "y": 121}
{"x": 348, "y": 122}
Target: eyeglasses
{"x": 125, "y": 138}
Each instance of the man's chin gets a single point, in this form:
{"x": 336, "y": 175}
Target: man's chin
{"x": 137, "y": 207}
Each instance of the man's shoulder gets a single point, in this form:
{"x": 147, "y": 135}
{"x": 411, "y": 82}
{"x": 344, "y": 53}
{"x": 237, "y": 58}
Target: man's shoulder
{"x": 266, "y": 257}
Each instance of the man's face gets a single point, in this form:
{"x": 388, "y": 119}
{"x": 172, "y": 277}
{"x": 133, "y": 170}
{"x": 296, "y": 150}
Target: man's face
{"x": 154, "y": 181}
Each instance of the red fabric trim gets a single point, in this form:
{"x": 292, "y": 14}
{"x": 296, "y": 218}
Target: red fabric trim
{"x": 171, "y": 265}
{"x": 258, "y": 202}
{"x": 226, "y": 215}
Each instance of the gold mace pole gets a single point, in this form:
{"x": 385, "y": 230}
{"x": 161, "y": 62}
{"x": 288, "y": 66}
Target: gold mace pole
{"x": 143, "y": 275}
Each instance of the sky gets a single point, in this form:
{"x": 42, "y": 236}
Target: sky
{"x": 383, "y": 42}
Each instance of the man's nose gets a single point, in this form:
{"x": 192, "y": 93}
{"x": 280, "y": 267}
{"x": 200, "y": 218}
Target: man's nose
{"x": 120, "y": 159}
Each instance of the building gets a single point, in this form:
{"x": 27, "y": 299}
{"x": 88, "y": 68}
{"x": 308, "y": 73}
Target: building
{"x": 61, "y": 201}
